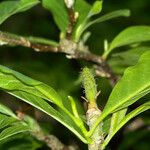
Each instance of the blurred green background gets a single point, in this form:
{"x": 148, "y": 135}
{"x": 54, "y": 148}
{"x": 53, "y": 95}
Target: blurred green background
{"x": 64, "y": 75}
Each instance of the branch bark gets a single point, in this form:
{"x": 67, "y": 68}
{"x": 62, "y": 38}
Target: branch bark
{"x": 97, "y": 138}
{"x": 71, "y": 49}
{"x": 52, "y": 141}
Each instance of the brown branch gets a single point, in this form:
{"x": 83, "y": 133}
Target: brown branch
{"x": 71, "y": 17}
{"x": 52, "y": 141}
{"x": 11, "y": 39}
{"x": 71, "y": 49}
{"x": 72, "y": 21}
{"x": 102, "y": 68}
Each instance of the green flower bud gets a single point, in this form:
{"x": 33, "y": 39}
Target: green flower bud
{"x": 89, "y": 85}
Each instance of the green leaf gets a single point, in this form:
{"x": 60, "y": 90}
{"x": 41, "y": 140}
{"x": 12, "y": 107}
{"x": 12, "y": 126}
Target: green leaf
{"x": 42, "y": 105}
{"x": 131, "y": 35}
{"x": 5, "y": 110}
{"x": 42, "y": 40}
{"x": 12, "y": 80}
{"x": 96, "y": 8}
{"x": 58, "y": 9}
{"x": 83, "y": 8}
{"x": 120, "y": 61}
{"x": 106, "y": 125}
{"x": 11, "y": 36}
{"x": 114, "y": 14}
{"x": 9, "y": 8}
{"x": 115, "y": 119}
{"x": 22, "y": 78}
{"x": 6, "y": 121}
{"x": 12, "y": 130}
{"x": 24, "y": 142}
{"x": 10, "y": 125}
{"x": 35, "y": 93}
{"x": 134, "y": 84}
{"x": 86, "y": 11}
{"x": 128, "y": 117}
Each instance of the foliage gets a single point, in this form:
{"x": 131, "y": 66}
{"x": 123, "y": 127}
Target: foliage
{"x": 127, "y": 54}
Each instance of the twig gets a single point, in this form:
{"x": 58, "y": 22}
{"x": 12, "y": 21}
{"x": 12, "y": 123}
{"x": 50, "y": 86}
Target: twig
{"x": 134, "y": 125}
{"x": 102, "y": 68}
{"x": 72, "y": 21}
{"x": 97, "y": 138}
{"x": 72, "y": 18}
{"x": 11, "y": 39}
{"x": 72, "y": 49}
{"x": 50, "y": 140}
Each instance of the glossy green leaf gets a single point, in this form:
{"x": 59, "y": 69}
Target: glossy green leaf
{"x": 6, "y": 121}
{"x": 106, "y": 125}
{"x": 42, "y": 40}
{"x": 96, "y": 8}
{"x": 116, "y": 119}
{"x": 34, "y": 93}
{"x": 12, "y": 130}
{"x": 111, "y": 122}
{"x": 131, "y": 35}
{"x": 59, "y": 12}
{"x": 9, "y": 8}
{"x": 22, "y": 78}
{"x": 86, "y": 11}
{"x": 13, "y": 81}
{"x": 42, "y": 105}
{"x": 10, "y": 124}
{"x": 128, "y": 117}
{"x": 5, "y": 110}
{"x": 120, "y": 61}
{"x": 114, "y": 14}
{"x": 83, "y": 9}
{"x": 134, "y": 84}
{"x": 23, "y": 83}
{"x": 24, "y": 142}
{"x": 73, "y": 107}
{"x": 30, "y": 39}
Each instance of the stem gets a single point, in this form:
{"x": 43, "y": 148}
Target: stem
{"x": 97, "y": 138}
{"x": 102, "y": 68}
{"x": 50, "y": 140}
{"x": 72, "y": 21}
